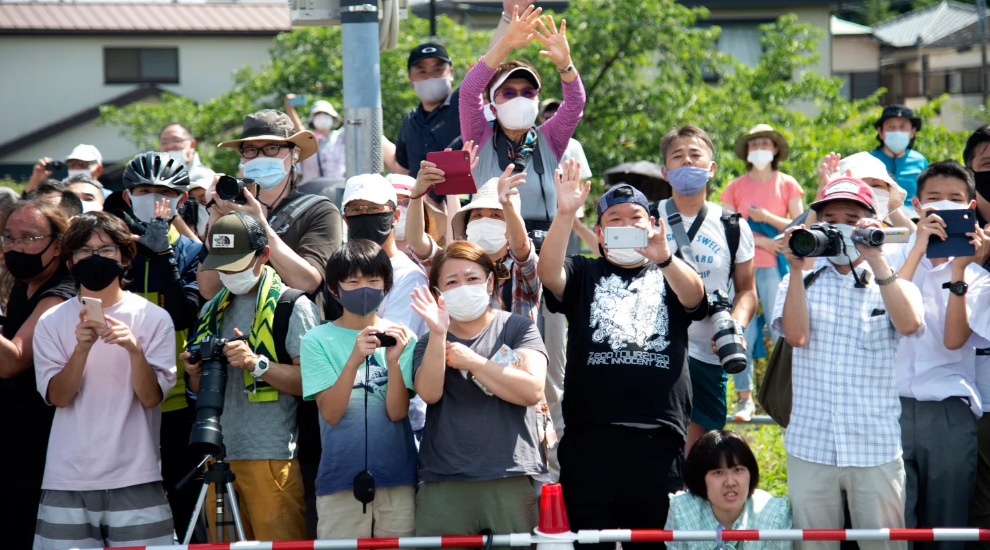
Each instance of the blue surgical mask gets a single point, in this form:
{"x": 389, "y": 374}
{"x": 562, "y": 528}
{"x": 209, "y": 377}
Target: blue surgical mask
{"x": 267, "y": 172}
{"x": 688, "y": 180}
{"x": 361, "y": 301}
{"x": 897, "y": 141}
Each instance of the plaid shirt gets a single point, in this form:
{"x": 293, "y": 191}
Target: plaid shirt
{"x": 761, "y": 511}
{"x": 526, "y": 288}
{"x": 845, "y": 407}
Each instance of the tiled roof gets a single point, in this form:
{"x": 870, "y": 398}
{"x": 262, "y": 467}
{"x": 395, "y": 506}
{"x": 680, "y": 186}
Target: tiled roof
{"x": 926, "y": 26}
{"x": 143, "y": 18}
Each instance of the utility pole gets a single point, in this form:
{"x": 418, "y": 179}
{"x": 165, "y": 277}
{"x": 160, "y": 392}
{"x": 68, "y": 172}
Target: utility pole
{"x": 981, "y": 13}
{"x": 362, "y": 87}
{"x": 433, "y": 18}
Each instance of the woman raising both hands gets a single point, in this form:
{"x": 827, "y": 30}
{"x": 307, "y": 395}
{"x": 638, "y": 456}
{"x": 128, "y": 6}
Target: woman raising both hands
{"x": 512, "y": 89}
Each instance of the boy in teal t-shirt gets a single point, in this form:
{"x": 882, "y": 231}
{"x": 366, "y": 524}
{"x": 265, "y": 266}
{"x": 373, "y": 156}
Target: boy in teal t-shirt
{"x": 896, "y": 131}
{"x": 362, "y": 391}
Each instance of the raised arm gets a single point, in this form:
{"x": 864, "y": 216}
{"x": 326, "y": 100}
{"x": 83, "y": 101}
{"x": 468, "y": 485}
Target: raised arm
{"x": 795, "y": 320}
{"x": 683, "y": 280}
{"x": 519, "y": 243}
{"x": 560, "y": 128}
{"x": 571, "y": 195}
{"x": 293, "y": 115}
{"x": 520, "y": 386}
{"x": 903, "y": 314}
{"x": 17, "y": 354}
{"x": 429, "y": 378}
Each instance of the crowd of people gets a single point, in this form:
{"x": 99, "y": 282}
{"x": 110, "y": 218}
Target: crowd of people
{"x": 437, "y": 349}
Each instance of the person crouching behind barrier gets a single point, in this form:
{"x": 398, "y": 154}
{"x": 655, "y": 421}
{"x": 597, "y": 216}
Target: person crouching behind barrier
{"x": 721, "y": 476}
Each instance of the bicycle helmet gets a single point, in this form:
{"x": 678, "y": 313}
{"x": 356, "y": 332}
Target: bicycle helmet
{"x": 154, "y": 168}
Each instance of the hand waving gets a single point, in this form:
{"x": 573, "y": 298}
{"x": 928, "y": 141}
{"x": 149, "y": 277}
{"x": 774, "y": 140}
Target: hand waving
{"x": 657, "y": 250}
{"x": 522, "y": 30}
{"x": 430, "y": 310}
{"x": 571, "y": 194}
{"x": 507, "y": 184}
{"x": 557, "y": 48}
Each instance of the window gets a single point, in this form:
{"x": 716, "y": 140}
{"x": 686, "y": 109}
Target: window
{"x": 140, "y": 65}
{"x": 739, "y": 39}
{"x": 858, "y": 85}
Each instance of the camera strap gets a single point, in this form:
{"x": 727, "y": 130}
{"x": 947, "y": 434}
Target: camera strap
{"x": 683, "y": 238}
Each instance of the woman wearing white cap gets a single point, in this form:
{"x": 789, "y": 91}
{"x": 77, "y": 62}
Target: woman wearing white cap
{"x": 325, "y": 123}
{"x": 513, "y": 89}
{"x": 863, "y": 165}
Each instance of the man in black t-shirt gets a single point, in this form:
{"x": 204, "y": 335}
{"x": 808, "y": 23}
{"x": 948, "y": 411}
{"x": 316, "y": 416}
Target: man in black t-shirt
{"x": 627, "y": 393}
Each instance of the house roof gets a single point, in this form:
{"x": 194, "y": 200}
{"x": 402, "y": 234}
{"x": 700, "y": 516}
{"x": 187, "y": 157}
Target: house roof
{"x": 841, "y": 27}
{"x": 926, "y": 26}
{"x": 86, "y": 115}
{"x": 214, "y": 18}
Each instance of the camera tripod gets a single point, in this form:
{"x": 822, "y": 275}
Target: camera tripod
{"x": 219, "y": 475}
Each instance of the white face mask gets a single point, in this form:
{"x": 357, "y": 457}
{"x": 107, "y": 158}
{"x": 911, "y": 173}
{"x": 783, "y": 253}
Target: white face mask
{"x": 144, "y": 205}
{"x": 488, "y": 233}
{"x": 624, "y": 256}
{"x": 467, "y": 302}
{"x": 518, "y": 113}
{"x": 91, "y": 206}
{"x": 882, "y": 197}
{"x": 322, "y": 122}
{"x": 851, "y": 254}
{"x": 202, "y": 216}
{"x": 400, "y": 228}
{"x": 80, "y": 173}
{"x": 944, "y": 205}
{"x": 178, "y": 155}
{"x": 432, "y": 90}
{"x": 760, "y": 159}
{"x": 241, "y": 282}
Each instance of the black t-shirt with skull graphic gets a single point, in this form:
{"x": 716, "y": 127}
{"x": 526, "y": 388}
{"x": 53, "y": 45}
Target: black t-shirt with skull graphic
{"x": 627, "y": 341}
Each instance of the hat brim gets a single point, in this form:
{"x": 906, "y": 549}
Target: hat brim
{"x": 915, "y": 121}
{"x": 227, "y": 262}
{"x": 532, "y": 77}
{"x": 305, "y": 141}
{"x": 783, "y": 149}
{"x": 817, "y": 205}
{"x": 459, "y": 223}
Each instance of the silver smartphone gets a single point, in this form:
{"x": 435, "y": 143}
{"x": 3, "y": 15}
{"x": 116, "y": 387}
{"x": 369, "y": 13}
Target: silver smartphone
{"x": 625, "y": 237}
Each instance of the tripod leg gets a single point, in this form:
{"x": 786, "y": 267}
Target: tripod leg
{"x": 196, "y": 512}
{"x": 236, "y": 511}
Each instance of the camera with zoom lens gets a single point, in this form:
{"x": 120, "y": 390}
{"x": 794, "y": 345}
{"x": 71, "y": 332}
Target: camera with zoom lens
{"x": 232, "y": 189}
{"x": 206, "y": 437}
{"x": 728, "y": 335}
{"x": 821, "y": 239}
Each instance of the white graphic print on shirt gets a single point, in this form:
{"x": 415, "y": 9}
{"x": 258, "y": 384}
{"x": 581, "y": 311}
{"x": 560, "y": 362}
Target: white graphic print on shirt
{"x": 379, "y": 377}
{"x": 631, "y": 315}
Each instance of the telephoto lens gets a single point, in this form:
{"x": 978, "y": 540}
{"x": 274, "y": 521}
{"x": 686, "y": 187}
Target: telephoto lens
{"x": 727, "y": 333}
{"x": 206, "y": 437}
{"x": 821, "y": 239}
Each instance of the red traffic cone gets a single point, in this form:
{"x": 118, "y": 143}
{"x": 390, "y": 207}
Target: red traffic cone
{"x": 553, "y": 516}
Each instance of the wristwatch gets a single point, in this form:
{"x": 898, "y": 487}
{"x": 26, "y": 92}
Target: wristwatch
{"x": 958, "y": 288}
{"x": 260, "y": 366}
{"x": 888, "y": 280}
{"x": 506, "y": 18}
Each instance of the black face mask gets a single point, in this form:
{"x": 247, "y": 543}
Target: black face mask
{"x": 96, "y": 272}
{"x": 25, "y": 266}
{"x": 982, "y": 184}
{"x": 373, "y": 227}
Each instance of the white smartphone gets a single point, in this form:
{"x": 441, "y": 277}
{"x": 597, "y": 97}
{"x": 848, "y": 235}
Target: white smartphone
{"x": 625, "y": 237}
{"x": 94, "y": 310}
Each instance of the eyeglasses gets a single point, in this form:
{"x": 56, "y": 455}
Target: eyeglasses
{"x": 268, "y": 150}
{"x": 512, "y": 93}
{"x": 366, "y": 209}
{"x": 176, "y": 141}
{"x": 404, "y": 202}
{"x": 25, "y": 242}
{"x": 108, "y": 251}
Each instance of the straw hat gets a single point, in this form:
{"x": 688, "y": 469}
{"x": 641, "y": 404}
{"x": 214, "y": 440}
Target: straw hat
{"x": 758, "y": 131}
{"x": 272, "y": 125}
{"x": 486, "y": 197}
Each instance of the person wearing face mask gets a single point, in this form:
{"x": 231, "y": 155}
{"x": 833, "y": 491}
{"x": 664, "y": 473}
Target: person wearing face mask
{"x": 89, "y": 191}
{"x": 627, "y": 386}
{"x": 164, "y": 272}
{"x": 896, "y": 131}
{"x": 722, "y": 250}
{"x": 34, "y": 280}
{"x": 107, "y": 378}
{"x": 936, "y": 373}
{"x": 765, "y": 197}
{"x": 194, "y": 212}
{"x": 844, "y": 320}
{"x": 84, "y": 160}
{"x": 402, "y": 185}
{"x": 176, "y": 141}
{"x": 363, "y": 391}
{"x": 481, "y": 370}
{"x": 259, "y": 423}
{"x": 721, "y": 476}
{"x": 513, "y": 89}
{"x": 325, "y": 123}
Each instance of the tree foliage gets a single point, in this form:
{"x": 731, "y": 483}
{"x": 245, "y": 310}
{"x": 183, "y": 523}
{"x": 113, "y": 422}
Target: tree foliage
{"x": 642, "y": 76}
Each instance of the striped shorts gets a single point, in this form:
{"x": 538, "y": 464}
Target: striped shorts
{"x": 130, "y": 516}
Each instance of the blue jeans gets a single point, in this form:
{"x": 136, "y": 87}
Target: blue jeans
{"x": 767, "y": 281}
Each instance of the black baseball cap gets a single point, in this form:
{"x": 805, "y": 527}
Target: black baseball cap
{"x": 898, "y": 111}
{"x": 427, "y": 51}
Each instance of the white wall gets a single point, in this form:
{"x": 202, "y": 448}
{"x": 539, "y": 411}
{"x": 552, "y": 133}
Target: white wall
{"x": 855, "y": 54}
{"x": 47, "y": 78}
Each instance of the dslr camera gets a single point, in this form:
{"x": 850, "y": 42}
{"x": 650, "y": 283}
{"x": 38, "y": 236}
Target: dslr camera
{"x": 232, "y": 189}
{"x": 206, "y": 437}
{"x": 728, "y": 335}
{"x": 823, "y": 239}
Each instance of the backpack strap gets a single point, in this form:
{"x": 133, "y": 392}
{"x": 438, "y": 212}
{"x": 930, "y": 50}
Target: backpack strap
{"x": 290, "y": 212}
{"x": 730, "y": 223}
{"x": 280, "y": 324}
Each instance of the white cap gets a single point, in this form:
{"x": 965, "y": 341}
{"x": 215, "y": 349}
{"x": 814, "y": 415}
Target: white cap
{"x": 85, "y": 153}
{"x": 323, "y": 106}
{"x": 401, "y": 183}
{"x": 514, "y": 73}
{"x": 200, "y": 177}
{"x": 864, "y": 165}
{"x": 369, "y": 187}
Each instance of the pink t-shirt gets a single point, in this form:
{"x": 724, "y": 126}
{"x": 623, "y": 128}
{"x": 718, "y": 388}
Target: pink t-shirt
{"x": 773, "y": 195}
{"x": 105, "y": 439}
